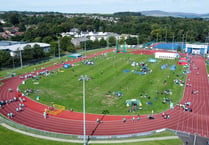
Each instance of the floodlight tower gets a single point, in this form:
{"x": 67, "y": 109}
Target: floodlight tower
{"x": 58, "y": 39}
{"x": 182, "y": 41}
{"x": 124, "y": 47}
{"x": 20, "y": 56}
{"x": 117, "y": 47}
{"x": 84, "y": 78}
{"x": 59, "y": 45}
{"x": 173, "y": 42}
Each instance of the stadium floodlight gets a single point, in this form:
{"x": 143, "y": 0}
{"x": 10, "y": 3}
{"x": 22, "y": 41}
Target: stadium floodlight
{"x": 59, "y": 45}
{"x": 85, "y": 44}
{"x": 19, "y": 48}
{"x": 84, "y": 78}
{"x": 58, "y": 39}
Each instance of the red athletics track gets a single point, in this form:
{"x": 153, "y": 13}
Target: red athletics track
{"x": 71, "y": 122}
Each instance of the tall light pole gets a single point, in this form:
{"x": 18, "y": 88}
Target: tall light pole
{"x": 13, "y": 55}
{"x": 20, "y": 57}
{"x": 84, "y": 78}
{"x": 173, "y": 42}
{"x": 186, "y": 38}
{"x": 13, "y": 62}
{"x": 182, "y": 41}
{"x": 166, "y": 36}
{"x": 137, "y": 40}
{"x": 107, "y": 42}
{"x": 59, "y": 45}
{"x": 85, "y": 44}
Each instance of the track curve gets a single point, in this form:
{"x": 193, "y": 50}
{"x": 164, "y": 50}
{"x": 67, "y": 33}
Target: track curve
{"x": 72, "y": 122}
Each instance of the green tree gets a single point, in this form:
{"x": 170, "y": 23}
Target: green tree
{"x": 96, "y": 44}
{"x": 54, "y": 48}
{"x": 29, "y": 35}
{"x": 14, "y": 18}
{"x": 71, "y": 48}
{"x": 64, "y": 42}
{"x": 1, "y": 28}
{"x": 38, "y": 51}
{"x": 21, "y": 27}
{"x": 47, "y": 39}
{"x": 131, "y": 41}
{"x": 112, "y": 41}
{"x": 27, "y": 53}
{"x": 122, "y": 40}
{"x": 37, "y": 39}
{"x": 5, "y": 58}
{"x": 89, "y": 44}
{"x": 102, "y": 43}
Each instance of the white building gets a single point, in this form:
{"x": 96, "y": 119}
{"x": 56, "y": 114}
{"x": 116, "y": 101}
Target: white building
{"x": 166, "y": 55}
{"x": 196, "y": 48}
{"x": 14, "y": 47}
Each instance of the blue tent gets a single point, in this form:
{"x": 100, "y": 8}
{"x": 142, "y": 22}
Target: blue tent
{"x": 164, "y": 66}
{"x": 173, "y": 67}
{"x": 66, "y": 65}
{"x": 140, "y": 73}
{"x": 153, "y": 60}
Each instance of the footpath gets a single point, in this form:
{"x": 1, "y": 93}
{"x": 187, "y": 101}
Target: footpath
{"x": 91, "y": 141}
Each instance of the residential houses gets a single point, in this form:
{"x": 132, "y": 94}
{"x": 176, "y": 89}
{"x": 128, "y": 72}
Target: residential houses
{"x": 79, "y": 37}
{"x": 10, "y": 32}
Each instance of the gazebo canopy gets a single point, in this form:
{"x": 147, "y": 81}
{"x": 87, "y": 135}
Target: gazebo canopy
{"x": 152, "y": 60}
{"x": 76, "y": 55}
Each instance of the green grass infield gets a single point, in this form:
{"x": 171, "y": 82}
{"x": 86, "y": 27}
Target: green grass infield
{"x": 110, "y": 74}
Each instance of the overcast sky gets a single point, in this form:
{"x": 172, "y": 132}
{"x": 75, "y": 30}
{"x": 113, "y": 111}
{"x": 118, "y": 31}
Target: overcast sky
{"x": 106, "y": 6}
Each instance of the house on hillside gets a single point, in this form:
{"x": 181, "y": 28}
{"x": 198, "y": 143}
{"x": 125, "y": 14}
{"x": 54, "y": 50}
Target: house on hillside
{"x": 10, "y": 32}
{"x": 77, "y": 41}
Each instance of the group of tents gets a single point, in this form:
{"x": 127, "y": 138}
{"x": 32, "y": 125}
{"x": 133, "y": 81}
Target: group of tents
{"x": 143, "y": 68}
{"x": 172, "y": 67}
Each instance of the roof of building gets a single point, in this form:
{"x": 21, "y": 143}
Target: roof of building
{"x": 14, "y": 45}
{"x": 8, "y": 43}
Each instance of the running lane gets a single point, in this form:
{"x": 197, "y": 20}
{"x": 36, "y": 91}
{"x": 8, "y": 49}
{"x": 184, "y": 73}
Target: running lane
{"x": 72, "y": 122}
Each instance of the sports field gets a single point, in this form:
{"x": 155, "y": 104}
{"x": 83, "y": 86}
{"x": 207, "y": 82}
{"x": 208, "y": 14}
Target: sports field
{"x": 107, "y": 77}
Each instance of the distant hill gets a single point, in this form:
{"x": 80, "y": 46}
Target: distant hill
{"x": 127, "y": 14}
{"x": 158, "y": 13}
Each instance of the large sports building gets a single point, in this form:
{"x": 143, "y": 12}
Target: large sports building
{"x": 196, "y": 48}
{"x": 189, "y": 48}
